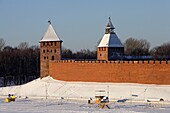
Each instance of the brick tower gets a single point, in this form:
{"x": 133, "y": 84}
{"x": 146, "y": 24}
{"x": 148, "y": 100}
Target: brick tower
{"x": 110, "y": 47}
{"x": 50, "y": 49}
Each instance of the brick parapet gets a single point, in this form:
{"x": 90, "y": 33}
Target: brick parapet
{"x": 115, "y": 62}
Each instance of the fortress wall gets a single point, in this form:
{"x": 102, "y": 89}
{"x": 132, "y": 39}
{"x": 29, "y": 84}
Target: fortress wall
{"x": 153, "y": 72}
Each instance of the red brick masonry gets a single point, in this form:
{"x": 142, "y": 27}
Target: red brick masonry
{"x": 116, "y": 72}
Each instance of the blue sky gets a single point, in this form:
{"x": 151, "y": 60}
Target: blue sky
{"x": 81, "y": 23}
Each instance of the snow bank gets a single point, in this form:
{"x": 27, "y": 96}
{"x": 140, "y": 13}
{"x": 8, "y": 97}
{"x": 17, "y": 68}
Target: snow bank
{"x": 50, "y": 88}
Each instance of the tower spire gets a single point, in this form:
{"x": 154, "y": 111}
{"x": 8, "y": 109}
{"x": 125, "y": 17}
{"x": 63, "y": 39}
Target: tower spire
{"x": 109, "y": 28}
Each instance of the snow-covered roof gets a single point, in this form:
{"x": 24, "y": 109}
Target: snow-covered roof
{"x": 110, "y": 40}
{"x": 50, "y": 35}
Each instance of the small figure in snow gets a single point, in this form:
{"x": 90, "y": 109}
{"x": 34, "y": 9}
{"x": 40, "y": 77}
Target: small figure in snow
{"x": 13, "y": 97}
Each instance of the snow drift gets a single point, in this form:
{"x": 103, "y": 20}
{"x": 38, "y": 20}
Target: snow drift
{"x": 50, "y": 88}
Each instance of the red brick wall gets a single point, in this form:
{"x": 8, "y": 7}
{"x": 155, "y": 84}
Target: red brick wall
{"x": 95, "y": 71}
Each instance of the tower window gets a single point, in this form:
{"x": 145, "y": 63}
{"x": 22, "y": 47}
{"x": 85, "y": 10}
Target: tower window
{"x": 44, "y": 57}
{"x": 43, "y": 51}
{"x": 52, "y": 58}
{"x": 51, "y": 43}
{"x": 43, "y": 43}
{"x": 55, "y": 50}
{"x": 100, "y": 54}
{"x": 47, "y": 57}
{"x": 51, "y": 51}
{"x": 47, "y": 50}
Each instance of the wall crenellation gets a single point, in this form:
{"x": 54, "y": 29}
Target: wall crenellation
{"x": 115, "y": 62}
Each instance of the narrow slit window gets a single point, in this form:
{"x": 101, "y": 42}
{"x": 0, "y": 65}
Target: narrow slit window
{"x": 52, "y": 58}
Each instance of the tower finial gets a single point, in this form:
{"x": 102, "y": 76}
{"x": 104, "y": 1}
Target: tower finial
{"x": 109, "y": 18}
{"x": 49, "y": 21}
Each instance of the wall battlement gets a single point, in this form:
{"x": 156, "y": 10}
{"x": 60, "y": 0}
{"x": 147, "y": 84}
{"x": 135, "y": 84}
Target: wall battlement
{"x": 145, "y": 72}
{"x": 115, "y": 62}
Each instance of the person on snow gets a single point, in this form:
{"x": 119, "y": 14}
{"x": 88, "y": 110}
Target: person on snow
{"x": 13, "y": 98}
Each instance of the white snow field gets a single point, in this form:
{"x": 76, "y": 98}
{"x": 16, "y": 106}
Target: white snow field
{"x": 44, "y": 96}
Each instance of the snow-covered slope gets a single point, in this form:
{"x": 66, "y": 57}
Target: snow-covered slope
{"x": 50, "y": 88}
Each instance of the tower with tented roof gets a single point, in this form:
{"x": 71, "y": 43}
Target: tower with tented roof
{"x": 110, "y": 47}
{"x": 50, "y": 49}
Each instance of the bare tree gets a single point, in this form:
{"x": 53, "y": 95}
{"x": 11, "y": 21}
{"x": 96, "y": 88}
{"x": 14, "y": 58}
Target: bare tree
{"x": 23, "y": 45}
{"x": 2, "y": 43}
{"x": 66, "y": 53}
{"x": 18, "y": 66}
{"x": 136, "y": 47}
{"x": 161, "y": 52}
{"x": 79, "y": 55}
{"x": 85, "y": 54}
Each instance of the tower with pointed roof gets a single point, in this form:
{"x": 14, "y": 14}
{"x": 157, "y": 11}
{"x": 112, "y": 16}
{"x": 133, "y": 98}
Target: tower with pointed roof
{"x": 50, "y": 49}
{"x": 110, "y": 47}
